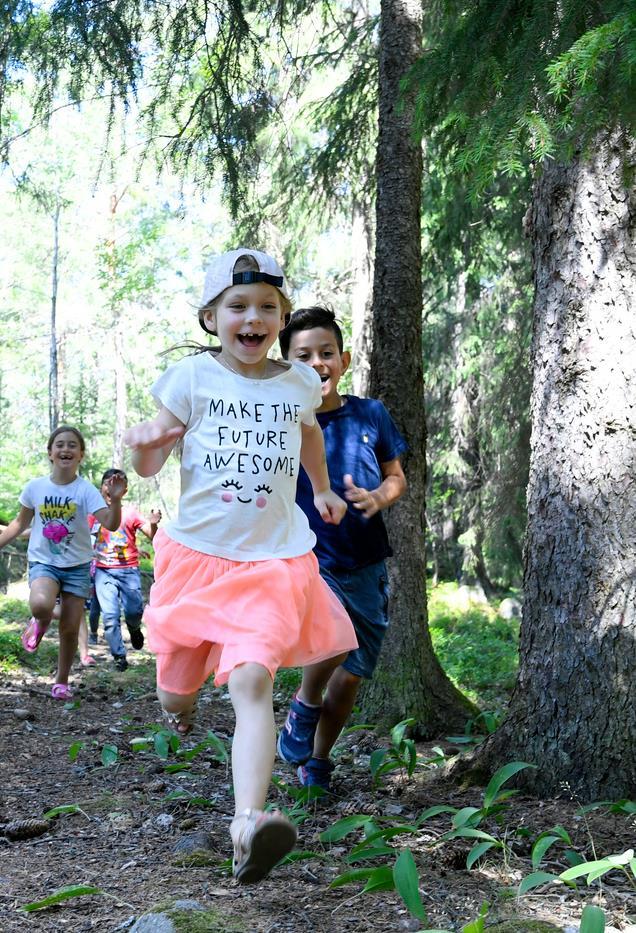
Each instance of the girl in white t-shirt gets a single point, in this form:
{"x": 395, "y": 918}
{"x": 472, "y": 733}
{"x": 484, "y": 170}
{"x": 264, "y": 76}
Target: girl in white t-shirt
{"x": 60, "y": 548}
{"x": 237, "y": 591}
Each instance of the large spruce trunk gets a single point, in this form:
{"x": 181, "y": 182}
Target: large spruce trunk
{"x": 408, "y": 681}
{"x": 573, "y": 712}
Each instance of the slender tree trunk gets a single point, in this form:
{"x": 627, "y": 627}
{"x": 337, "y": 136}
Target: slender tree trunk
{"x": 54, "y": 398}
{"x": 121, "y": 404}
{"x": 362, "y": 263}
{"x": 573, "y": 711}
{"x": 409, "y": 680}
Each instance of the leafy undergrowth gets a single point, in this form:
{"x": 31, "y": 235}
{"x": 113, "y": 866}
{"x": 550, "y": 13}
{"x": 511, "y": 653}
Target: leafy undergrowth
{"x": 100, "y": 796}
{"x": 476, "y": 647}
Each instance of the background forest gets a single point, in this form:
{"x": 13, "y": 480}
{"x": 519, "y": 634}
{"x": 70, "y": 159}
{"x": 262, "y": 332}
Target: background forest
{"x": 457, "y": 180}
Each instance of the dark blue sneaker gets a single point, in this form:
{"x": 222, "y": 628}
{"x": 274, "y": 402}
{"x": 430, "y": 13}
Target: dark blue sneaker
{"x": 316, "y": 773}
{"x": 296, "y": 738}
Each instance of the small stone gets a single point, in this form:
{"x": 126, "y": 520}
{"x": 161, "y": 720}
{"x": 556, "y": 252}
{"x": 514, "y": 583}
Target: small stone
{"x": 23, "y": 714}
{"x": 164, "y": 821}
{"x": 189, "y": 823}
{"x": 194, "y": 849}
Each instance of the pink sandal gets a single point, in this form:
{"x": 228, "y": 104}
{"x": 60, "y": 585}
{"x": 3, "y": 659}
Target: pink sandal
{"x": 265, "y": 838}
{"x": 88, "y": 661}
{"x": 33, "y": 635}
{"x": 61, "y": 692}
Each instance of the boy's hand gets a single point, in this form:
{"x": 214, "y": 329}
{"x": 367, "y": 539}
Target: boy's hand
{"x": 363, "y": 500}
{"x": 331, "y": 507}
{"x": 151, "y": 435}
{"x": 155, "y": 517}
{"x": 116, "y": 485}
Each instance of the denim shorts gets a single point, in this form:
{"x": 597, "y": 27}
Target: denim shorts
{"x": 74, "y": 580}
{"x": 365, "y": 595}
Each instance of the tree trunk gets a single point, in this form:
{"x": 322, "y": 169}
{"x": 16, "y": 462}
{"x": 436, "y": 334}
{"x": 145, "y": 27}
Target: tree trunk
{"x": 409, "y": 680}
{"x": 121, "y": 401}
{"x": 54, "y": 397}
{"x": 362, "y": 263}
{"x": 573, "y": 713}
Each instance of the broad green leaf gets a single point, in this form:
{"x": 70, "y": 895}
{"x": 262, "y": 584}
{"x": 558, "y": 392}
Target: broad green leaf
{"x": 388, "y": 833}
{"x": 397, "y": 732}
{"x": 74, "y": 750}
{"x": 592, "y": 919}
{"x": 348, "y": 877}
{"x": 478, "y": 925}
{"x": 540, "y": 848}
{"x": 369, "y": 852}
{"x": 572, "y": 857}
{"x": 63, "y": 894}
{"x": 407, "y": 883}
{"x": 464, "y": 817}
{"x": 598, "y": 867}
{"x": 301, "y": 855}
{"x": 57, "y": 811}
{"x": 434, "y": 811}
{"x": 343, "y": 827}
{"x": 183, "y": 766}
{"x": 535, "y": 879}
{"x": 140, "y": 744}
{"x": 381, "y": 879}
{"x": 377, "y": 759}
{"x": 162, "y": 745}
{"x": 499, "y": 779}
{"x": 476, "y": 853}
{"x": 110, "y": 754}
{"x": 469, "y": 833}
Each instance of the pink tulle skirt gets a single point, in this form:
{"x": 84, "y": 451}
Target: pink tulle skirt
{"x": 207, "y": 615}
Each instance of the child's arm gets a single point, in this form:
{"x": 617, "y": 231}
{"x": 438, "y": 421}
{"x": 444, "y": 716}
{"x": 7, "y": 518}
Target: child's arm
{"x": 152, "y": 441}
{"x": 16, "y": 527}
{"x": 149, "y": 528}
{"x": 110, "y": 517}
{"x": 312, "y": 456}
{"x": 392, "y": 487}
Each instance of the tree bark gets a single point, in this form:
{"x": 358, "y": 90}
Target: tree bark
{"x": 362, "y": 274}
{"x": 409, "y": 681}
{"x": 54, "y": 392}
{"x": 573, "y": 711}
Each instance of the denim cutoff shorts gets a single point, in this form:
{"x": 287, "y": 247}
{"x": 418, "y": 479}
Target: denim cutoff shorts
{"x": 364, "y": 594}
{"x": 74, "y": 580}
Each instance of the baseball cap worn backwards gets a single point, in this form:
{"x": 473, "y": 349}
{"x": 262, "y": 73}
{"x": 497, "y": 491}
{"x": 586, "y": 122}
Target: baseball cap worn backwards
{"x": 220, "y": 274}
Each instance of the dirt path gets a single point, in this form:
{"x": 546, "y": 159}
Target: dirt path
{"x": 134, "y": 810}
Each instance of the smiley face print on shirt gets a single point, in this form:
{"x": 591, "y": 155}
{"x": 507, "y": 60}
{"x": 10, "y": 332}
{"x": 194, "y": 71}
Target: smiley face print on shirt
{"x": 233, "y": 489}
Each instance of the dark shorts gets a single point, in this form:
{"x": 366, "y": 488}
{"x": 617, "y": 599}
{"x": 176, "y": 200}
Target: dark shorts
{"x": 74, "y": 580}
{"x": 365, "y": 595}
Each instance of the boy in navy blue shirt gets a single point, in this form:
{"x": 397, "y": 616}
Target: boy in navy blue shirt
{"x": 363, "y": 447}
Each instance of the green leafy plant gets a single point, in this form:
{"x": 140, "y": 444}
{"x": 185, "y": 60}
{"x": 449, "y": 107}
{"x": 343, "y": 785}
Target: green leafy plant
{"x": 402, "y": 754}
{"x": 402, "y": 877}
{"x": 301, "y": 796}
{"x": 62, "y": 894}
{"x": 594, "y": 870}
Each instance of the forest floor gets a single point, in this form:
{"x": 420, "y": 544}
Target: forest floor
{"x": 131, "y": 801}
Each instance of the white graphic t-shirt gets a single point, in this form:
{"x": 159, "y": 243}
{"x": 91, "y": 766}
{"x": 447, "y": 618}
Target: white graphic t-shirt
{"x": 60, "y": 535}
{"x": 241, "y": 454}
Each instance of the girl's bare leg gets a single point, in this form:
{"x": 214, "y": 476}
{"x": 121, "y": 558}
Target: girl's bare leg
{"x": 72, "y": 613}
{"x": 253, "y": 747}
{"x": 42, "y": 596}
{"x": 82, "y": 637}
{"x": 179, "y": 705}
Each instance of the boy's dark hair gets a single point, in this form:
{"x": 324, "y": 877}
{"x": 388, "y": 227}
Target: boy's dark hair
{"x": 308, "y": 319}
{"x": 113, "y": 471}
{"x": 62, "y": 429}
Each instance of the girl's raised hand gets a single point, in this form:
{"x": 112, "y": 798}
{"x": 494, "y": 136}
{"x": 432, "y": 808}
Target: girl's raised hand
{"x": 152, "y": 435}
{"x": 362, "y": 500}
{"x": 331, "y": 507}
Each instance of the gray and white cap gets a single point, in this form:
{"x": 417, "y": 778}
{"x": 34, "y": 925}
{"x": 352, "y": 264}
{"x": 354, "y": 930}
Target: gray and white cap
{"x": 220, "y": 274}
